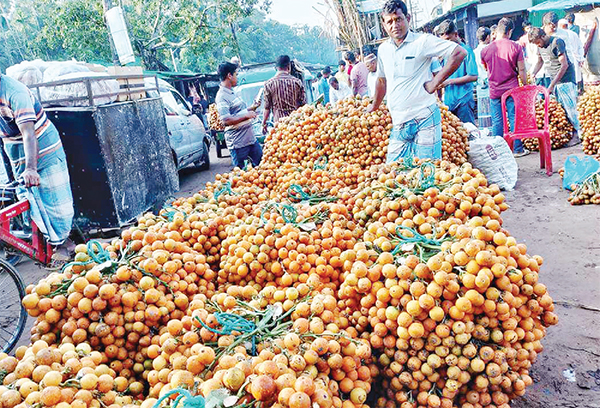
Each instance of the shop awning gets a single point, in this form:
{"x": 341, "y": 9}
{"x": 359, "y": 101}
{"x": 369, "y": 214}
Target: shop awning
{"x": 561, "y": 5}
{"x": 457, "y": 12}
{"x": 460, "y": 4}
{"x": 369, "y": 6}
{"x": 499, "y": 8}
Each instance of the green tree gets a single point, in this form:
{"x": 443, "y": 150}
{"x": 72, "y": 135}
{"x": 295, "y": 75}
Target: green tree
{"x": 262, "y": 40}
{"x": 53, "y": 30}
{"x": 76, "y": 29}
{"x": 162, "y": 27}
{"x": 195, "y": 34}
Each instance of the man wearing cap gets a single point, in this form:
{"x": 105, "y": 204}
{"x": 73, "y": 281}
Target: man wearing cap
{"x": 459, "y": 87}
{"x": 371, "y": 63}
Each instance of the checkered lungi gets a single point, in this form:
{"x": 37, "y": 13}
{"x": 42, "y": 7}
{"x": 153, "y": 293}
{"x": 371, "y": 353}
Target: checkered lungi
{"x": 566, "y": 95}
{"x": 420, "y": 137}
{"x": 484, "y": 113}
{"x": 51, "y": 203}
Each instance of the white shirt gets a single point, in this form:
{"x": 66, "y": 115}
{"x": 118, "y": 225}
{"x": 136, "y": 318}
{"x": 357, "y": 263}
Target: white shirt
{"x": 406, "y": 69}
{"x": 481, "y": 71}
{"x": 343, "y": 92}
{"x": 371, "y": 82}
{"x": 574, "y": 48}
{"x": 531, "y": 59}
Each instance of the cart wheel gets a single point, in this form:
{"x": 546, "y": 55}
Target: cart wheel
{"x": 12, "y": 312}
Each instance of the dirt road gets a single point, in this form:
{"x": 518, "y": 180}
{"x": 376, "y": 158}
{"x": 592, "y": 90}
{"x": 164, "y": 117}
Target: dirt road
{"x": 568, "y": 238}
{"x": 567, "y": 373}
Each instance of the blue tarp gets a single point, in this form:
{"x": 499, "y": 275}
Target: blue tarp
{"x": 561, "y": 5}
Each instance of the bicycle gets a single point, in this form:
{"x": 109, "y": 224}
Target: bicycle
{"x": 27, "y": 240}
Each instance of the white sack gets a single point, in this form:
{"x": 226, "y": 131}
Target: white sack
{"x": 492, "y": 156}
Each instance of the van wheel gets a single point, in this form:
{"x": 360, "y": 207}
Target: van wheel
{"x": 205, "y": 160}
{"x": 175, "y": 160}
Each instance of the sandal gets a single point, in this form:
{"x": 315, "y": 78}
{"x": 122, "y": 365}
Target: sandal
{"x": 59, "y": 259}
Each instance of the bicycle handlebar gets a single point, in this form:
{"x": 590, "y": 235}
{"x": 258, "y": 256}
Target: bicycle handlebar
{"x": 12, "y": 184}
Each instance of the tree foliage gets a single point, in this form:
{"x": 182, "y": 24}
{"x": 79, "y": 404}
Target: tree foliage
{"x": 195, "y": 34}
{"x": 262, "y": 40}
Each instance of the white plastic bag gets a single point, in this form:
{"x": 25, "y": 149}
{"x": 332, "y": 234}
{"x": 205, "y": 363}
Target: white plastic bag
{"x": 57, "y": 69}
{"x": 26, "y": 72}
{"x": 592, "y": 61}
{"x": 99, "y": 87}
{"x": 493, "y": 157}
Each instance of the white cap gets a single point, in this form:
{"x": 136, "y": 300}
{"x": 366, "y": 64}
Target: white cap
{"x": 562, "y": 23}
{"x": 370, "y": 57}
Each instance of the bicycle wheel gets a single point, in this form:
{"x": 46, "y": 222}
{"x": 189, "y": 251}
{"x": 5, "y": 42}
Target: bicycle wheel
{"x": 12, "y": 312}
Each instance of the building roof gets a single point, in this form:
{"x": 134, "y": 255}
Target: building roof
{"x": 457, "y": 5}
{"x": 561, "y": 5}
{"x": 460, "y": 4}
{"x": 369, "y": 6}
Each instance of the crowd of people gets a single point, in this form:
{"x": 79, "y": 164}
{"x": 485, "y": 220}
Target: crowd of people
{"x": 410, "y": 70}
{"x": 551, "y": 56}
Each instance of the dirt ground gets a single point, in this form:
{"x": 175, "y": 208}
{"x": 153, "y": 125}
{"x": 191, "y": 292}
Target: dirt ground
{"x": 568, "y": 238}
{"x": 567, "y": 373}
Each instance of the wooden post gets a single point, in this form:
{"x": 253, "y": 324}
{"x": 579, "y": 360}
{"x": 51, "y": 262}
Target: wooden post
{"x": 88, "y": 85}
{"x": 173, "y": 59}
{"x": 471, "y": 26}
{"x": 235, "y": 40}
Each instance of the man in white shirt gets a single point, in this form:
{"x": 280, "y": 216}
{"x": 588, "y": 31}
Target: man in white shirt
{"x": 484, "y": 37}
{"x": 338, "y": 90}
{"x": 531, "y": 55}
{"x": 371, "y": 63}
{"x": 404, "y": 73}
{"x": 484, "y": 117}
{"x": 563, "y": 27}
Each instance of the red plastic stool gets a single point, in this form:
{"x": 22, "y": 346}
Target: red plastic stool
{"x": 525, "y": 126}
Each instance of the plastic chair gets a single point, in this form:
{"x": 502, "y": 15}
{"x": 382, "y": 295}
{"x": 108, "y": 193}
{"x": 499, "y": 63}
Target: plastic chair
{"x": 525, "y": 126}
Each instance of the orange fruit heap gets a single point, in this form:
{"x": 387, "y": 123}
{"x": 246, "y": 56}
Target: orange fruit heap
{"x": 561, "y": 129}
{"x": 346, "y": 134}
{"x": 343, "y": 132}
{"x": 589, "y": 120}
{"x": 296, "y": 284}
{"x": 214, "y": 120}
{"x": 455, "y": 138}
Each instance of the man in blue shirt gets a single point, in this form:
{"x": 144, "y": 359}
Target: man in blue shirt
{"x": 458, "y": 88}
{"x": 324, "y": 85}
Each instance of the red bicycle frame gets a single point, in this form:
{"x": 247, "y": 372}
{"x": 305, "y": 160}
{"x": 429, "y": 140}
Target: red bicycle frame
{"x": 39, "y": 249}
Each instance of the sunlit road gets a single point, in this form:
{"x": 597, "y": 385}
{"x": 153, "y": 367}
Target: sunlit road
{"x": 192, "y": 180}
